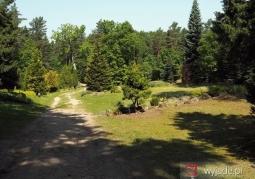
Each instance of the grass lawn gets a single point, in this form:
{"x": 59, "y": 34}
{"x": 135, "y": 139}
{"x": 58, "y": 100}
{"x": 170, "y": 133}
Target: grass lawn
{"x": 98, "y": 104}
{"x": 218, "y": 132}
{"x": 14, "y": 116}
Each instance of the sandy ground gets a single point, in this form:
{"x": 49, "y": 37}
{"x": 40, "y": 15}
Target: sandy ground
{"x": 63, "y": 143}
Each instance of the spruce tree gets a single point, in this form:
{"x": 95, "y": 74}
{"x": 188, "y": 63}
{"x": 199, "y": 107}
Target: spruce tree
{"x": 9, "y": 29}
{"x": 230, "y": 26}
{"x": 98, "y": 76}
{"x": 192, "y": 39}
{"x": 35, "y": 74}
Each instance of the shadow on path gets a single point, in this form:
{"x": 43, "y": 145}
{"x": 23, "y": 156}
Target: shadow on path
{"x": 62, "y": 145}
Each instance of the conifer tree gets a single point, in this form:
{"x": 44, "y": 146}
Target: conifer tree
{"x": 65, "y": 78}
{"x": 51, "y": 79}
{"x": 98, "y": 76}
{"x": 35, "y": 74}
{"x": 136, "y": 85}
{"x": 9, "y": 29}
{"x": 192, "y": 39}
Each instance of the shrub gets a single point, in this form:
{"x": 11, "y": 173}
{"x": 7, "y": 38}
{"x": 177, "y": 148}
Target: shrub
{"x": 84, "y": 93}
{"x": 29, "y": 94}
{"x": 237, "y": 89}
{"x": 117, "y": 83}
{"x": 216, "y": 90}
{"x": 154, "y": 101}
{"x": 15, "y": 97}
{"x": 115, "y": 89}
{"x": 197, "y": 93}
{"x": 120, "y": 108}
{"x": 141, "y": 101}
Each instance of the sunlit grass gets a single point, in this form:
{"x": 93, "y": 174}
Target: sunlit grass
{"x": 215, "y": 131}
{"x": 15, "y": 116}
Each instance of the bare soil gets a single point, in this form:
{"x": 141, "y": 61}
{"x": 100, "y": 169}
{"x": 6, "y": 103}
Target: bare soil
{"x": 64, "y": 143}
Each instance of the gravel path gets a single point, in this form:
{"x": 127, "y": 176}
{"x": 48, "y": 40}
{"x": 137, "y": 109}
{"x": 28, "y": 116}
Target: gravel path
{"x": 63, "y": 143}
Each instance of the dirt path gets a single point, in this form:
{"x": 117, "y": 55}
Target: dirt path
{"x": 62, "y": 143}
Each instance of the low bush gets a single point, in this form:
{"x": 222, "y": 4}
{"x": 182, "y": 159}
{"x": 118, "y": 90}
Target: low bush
{"x": 29, "y": 94}
{"x": 197, "y": 93}
{"x": 115, "y": 89}
{"x": 117, "y": 83}
{"x": 237, "y": 89}
{"x": 15, "y": 97}
{"x": 154, "y": 101}
{"x": 216, "y": 90}
{"x": 141, "y": 101}
{"x": 84, "y": 93}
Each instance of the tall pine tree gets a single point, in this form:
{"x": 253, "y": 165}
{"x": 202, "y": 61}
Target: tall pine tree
{"x": 231, "y": 29}
{"x": 250, "y": 42}
{"x": 98, "y": 76}
{"x": 9, "y": 30}
{"x": 192, "y": 41}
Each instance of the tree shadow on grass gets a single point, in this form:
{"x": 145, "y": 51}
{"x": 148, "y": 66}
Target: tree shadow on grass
{"x": 161, "y": 159}
{"x": 235, "y": 133}
{"x": 15, "y": 116}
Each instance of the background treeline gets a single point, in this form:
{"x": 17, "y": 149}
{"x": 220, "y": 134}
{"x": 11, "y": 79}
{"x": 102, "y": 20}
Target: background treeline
{"x": 219, "y": 50}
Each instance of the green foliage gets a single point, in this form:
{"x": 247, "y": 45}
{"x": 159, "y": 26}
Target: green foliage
{"x": 35, "y": 74}
{"x": 197, "y": 93}
{"x": 235, "y": 36}
{"x": 192, "y": 39}
{"x": 238, "y": 89}
{"x": 69, "y": 37}
{"x": 154, "y": 101}
{"x": 51, "y": 79}
{"x": 74, "y": 78}
{"x": 98, "y": 76}
{"x": 216, "y": 90}
{"x": 8, "y": 35}
{"x": 84, "y": 57}
{"x": 15, "y": 97}
{"x": 141, "y": 101}
{"x": 250, "y": 86}
{"x": 115, "y": 89}
{"x": 136, "y": 85}
{"x": 84, "y": 93}
{"x": 208, "y": 55}
{"x": 65, "y": 78}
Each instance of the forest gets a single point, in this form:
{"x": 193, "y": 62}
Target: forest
{"x": 219, "y": 50}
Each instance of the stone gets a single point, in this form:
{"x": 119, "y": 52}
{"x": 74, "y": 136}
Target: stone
{"x": 145, "y": 107}
{"x": 187, "y": 102}
{"x": 194, "y": 100}
{"x": 109, "y": 112}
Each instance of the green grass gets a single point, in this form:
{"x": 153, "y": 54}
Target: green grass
{"x": 98, "y": 104}
{"x": 15, "y": 116}
{"x": 219, "y": 132}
